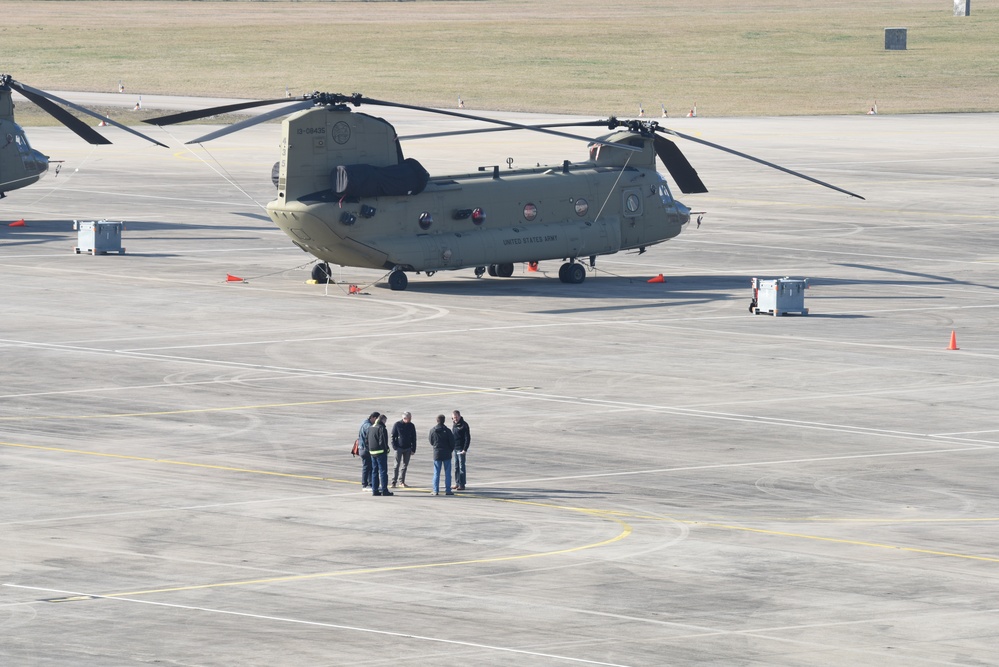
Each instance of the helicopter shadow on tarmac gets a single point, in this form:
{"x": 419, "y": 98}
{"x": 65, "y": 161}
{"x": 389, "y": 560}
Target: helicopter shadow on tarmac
{"x": 916, "y": 278}
{"x": 38, "y": 232}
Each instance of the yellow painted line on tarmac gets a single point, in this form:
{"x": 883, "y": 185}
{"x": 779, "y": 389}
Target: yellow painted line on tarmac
{"x": 263, "y": 406}
{"x": 611, "y": 515}
{"x": 626, "y": 530}
{"x": 858, "y": 543}
{"x": 190, "y": 464}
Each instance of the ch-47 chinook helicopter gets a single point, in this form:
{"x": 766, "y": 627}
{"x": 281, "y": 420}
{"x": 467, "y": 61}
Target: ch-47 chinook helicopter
{"x": 348, "y": 196}
{"x": 20, "y": 164}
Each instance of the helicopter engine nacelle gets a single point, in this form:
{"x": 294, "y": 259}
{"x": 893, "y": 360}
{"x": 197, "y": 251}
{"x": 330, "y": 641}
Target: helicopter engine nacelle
{"x": 317, "y": 141}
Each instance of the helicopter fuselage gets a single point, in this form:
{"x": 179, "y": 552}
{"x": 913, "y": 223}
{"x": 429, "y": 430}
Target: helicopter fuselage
{"x": 20, "y": 164}
{"x": 614, "y": 201}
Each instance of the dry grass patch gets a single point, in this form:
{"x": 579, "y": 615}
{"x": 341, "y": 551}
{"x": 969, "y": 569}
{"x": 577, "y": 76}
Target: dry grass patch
{"x": 586, "y": 56}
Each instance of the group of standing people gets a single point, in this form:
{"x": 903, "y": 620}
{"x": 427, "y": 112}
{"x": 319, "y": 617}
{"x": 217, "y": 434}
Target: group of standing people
{"x": 374, "y": 442}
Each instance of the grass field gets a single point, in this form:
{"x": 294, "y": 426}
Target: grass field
{"x": 730, "y": 57}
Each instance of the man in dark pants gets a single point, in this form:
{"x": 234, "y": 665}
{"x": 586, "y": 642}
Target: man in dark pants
{"x": 462, "y": 439}
{"x": 362, "y": 449}
{"x": 404, "y": 444}
{"x": 442, "y": 440}
{"x": 378, "y": 446}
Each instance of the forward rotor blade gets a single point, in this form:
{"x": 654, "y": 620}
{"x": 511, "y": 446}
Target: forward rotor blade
{"x": 483, "y": 119}
{"x": 81, "y": 129}
{"x": 250, "y": 122}
{"x": 680, "y": 169}
{"x": 96, "y": 115}
{"x": 756, "y": 159}
{"x": 215, "y": 111}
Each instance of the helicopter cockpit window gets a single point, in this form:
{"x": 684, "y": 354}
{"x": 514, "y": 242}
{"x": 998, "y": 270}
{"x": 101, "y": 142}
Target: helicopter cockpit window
{"x": 664, "y": 192}
{"x": 22, "y": 144}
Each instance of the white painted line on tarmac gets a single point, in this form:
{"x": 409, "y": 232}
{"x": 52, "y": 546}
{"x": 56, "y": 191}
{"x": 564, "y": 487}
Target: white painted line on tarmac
{"x": 335, "y": 626}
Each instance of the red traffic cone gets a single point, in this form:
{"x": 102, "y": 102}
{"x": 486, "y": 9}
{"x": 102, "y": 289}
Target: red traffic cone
{"x": 657, "y": 279}
{"x": 17, "y": 223}
{"x": 229, "y": 278}
{"x": 953, "y": 341}
{"x": 532, "y": 266}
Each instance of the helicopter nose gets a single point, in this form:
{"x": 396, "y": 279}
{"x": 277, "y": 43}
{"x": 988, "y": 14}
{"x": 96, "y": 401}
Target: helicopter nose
{"x": 684, "y": 213}
{"x": 41, "y": 162}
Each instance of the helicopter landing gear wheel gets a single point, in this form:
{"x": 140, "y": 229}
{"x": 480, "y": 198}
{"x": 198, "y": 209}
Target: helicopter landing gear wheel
{"x": 479, "y": 270}
{"x": 572, "y": 273}
{"x": 321, "y": 273}
{"x": 504, "y": 270}
{"x": 491, "y": 270}
{"x": 398, "y": 281}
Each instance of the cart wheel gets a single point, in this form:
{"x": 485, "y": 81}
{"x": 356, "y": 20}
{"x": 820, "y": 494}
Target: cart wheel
{"x": 752, "y": 306}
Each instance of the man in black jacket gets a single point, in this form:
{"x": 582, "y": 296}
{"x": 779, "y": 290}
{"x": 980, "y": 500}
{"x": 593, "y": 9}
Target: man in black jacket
{"x": 462, "y": 439}
{"x": 362, "y": 448}
{"x": 378, "y": 446}
{"x": 404, "y": 444}
{"x": 442, "y": 441}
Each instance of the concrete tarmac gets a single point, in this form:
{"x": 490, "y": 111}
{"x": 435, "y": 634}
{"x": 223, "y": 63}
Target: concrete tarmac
{"x": 656, "y": 476}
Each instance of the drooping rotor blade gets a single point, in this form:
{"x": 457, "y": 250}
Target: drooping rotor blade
{"x": 96, "y": 115}
{"x": 455, "y": 133}
{"x": 81, "y": 129}
{"x": 250, "y": 122}
{"x": 680, "y": 169}
{"x": 756, "y": 159}
{"x": 185, "y": 116}
{"x": 483, "y": 119}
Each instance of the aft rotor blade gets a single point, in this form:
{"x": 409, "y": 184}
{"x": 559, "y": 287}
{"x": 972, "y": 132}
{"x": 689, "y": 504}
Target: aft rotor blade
{"x": 455, "y": 133}
{"x": 756, "y": 159}
{"x": 679, "y": 168}
{"x": 215, "y": 111}
{"x": 81, "y": 129}
{"x": 96, "y": 115}
{"x": 250, "y": 122}
{"x": 508, "y": 124}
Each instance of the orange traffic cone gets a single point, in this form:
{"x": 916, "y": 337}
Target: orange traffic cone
{"x": 532, "y": 266}
{"x": 17, "y": 223}
{"x": 657, "y": 279}
{"x": 229, "y": 278}
{"x": 354, "y": 289}
{"x": 953, "y": 341}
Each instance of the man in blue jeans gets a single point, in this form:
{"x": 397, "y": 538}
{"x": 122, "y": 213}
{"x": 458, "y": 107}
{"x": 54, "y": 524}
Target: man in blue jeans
{"x": 378, "y": 447}
{"x": 462, "y": 439}
{"x": 362, "y": 449}
{"x": 442, "y": 441}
